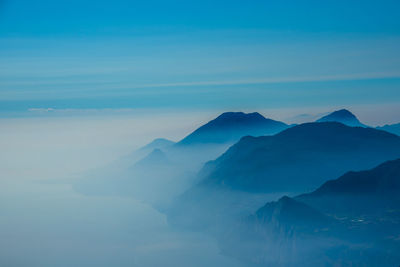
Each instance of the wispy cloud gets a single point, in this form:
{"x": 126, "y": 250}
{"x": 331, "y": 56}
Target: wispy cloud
{"x": 343, "y": 77}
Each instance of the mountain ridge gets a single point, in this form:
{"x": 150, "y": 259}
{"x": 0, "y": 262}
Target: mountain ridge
{"x": 229, "y": 127}
{"x": 293, "y": 146}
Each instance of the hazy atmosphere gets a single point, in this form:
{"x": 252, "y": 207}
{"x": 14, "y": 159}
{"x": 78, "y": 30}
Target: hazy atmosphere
{"x": 199, "y": 133}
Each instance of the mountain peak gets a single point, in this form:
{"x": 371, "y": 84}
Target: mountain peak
{"x": 343, "y": 116}
{"x": 240, "y": 115}
{"x": 229, "y": 127}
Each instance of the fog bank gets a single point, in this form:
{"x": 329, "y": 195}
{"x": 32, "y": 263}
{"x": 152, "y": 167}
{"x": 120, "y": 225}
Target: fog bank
{"x": 44, "y": 222}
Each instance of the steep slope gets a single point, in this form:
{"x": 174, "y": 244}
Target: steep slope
{"x": 300, "y": 158}
{"x": 168, "y": 166}
{"x": 350, "y": 221}
{"x": 373, "y": 191}
{"x": 229, "y": 127}
{"x": 382, "y": 180}
{"x": 288, "y": 213}
{"x": 296, "y": 160}
{"x": 343, "y": 116}
{"x": 281, "y": 233}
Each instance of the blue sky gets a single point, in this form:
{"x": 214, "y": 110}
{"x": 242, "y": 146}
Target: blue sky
{"x": 198, "y": 54}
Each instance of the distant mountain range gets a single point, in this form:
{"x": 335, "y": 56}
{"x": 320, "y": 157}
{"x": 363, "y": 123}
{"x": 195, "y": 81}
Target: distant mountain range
{"x": 213, "y": 138}
{"x": 300, "y": 157}
{"x": 295, "y": 160}
{"x": 326, "y": 225}
{"x": 167, "y": 168}
{"x": 252, "y": 160}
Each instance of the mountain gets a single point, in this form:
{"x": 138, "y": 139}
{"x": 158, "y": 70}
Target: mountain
{"x": 343, "y": 116}
{"x": 391, "y": 128}
{"x": 282, "y": 233}
{"x": 229, "y": 127}
{"x": 159, "y": 143}
{"x": 139, "y": 154}
{"x": 296, "y": 160}
{"x": 382, "y": 180}
{"x": 353, "y": 220}
{"x": 212, "y": 139}
{"x": 300, "y": 158}
{"x": 288, "y": 212}
{"x": 167, "y": 168}
{"x": 156, "y": 157}
{"x": 364, "y": 192}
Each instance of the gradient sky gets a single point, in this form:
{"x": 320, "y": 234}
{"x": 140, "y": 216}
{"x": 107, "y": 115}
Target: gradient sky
{"x": 198, "y": 54}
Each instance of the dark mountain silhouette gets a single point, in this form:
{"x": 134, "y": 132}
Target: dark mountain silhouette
{"x": 343, "y": 116}
{"x": 382, "y": 180}
{"x": 353, "y": 220}
{"x": 296, "y": 160}
{"x": 229, "y": 127}
{"x": 364, "y": 192}
{"x": 391, "y": 128}
{"x": 212, "y": 139}
{"x": 300, "y": 157}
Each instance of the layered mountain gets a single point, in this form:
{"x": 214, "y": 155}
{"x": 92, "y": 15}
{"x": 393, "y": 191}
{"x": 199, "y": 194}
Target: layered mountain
{"x": 171, "y": 162}
{"x": 300, "y": 157}
{"x": 156, "y": 157}
{"x": 343, "y": 116}
{"x": 212, "y": 139}
{"x": 167, "y": 169}
{"x": 288, "y": 213}
{"x": 326, "y": 227}
{"x": 391, "y": 128}
{"x": 229, "y": 127}
{"x": 158, "y": 143}
{"x": 365, "y": 192}
{"x": 383, "y": 181}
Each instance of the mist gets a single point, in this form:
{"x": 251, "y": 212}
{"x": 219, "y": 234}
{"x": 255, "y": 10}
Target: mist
{"x": 148, "y": 188}
{"x": 46, "y": 222}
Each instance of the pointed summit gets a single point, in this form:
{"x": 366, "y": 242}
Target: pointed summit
{"x": 343, "y": 116}
{"x": 229, "y": 127}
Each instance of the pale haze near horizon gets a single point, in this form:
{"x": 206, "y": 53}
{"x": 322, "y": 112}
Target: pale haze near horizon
{"x": 46, "y": 223}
